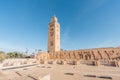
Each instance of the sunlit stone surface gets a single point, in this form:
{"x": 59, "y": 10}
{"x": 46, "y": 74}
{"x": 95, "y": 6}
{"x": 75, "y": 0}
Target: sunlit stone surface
{"x": 96, "y": 56}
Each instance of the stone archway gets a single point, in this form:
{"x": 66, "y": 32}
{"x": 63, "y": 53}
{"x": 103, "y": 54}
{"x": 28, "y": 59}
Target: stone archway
{"x": 87, "y": 57}
{"x": 81, "y": 56}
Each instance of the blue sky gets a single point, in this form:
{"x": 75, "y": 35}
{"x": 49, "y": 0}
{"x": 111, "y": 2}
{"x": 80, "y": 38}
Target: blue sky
{"x": 84, "y": 23}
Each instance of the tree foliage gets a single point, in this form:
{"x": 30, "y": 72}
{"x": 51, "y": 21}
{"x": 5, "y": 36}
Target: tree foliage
{"x": 15, "y": 55}
{"x": 2, "y": 55}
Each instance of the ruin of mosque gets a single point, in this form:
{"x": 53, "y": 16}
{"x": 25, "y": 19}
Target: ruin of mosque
{"x": 96, "y": 56}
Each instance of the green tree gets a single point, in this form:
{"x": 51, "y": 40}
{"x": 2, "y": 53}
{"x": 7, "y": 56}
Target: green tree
{"x": 2, "y": 56}
{"x": 15, "y": 55}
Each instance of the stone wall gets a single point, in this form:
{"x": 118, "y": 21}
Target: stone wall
{"x": 104, "y": 55}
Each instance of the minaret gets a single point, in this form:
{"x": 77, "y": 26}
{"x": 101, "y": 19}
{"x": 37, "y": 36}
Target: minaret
{"x": 53, "y": 35}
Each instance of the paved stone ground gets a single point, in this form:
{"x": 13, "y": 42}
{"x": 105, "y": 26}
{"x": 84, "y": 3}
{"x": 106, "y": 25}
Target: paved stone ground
{"x": 62, "y": 72}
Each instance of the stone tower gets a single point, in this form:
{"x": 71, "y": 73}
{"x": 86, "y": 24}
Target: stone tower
{"x": 53, "y": 35}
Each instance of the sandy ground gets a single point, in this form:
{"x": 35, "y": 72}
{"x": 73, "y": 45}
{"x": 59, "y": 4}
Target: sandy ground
{"x": 62, "y": 72}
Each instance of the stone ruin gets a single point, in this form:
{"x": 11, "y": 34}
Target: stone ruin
{"x": 17, "y": 62}
{"x": 96, "y": 57}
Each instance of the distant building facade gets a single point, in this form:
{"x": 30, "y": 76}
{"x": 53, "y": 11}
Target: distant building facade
{"x": 108, "y": 56}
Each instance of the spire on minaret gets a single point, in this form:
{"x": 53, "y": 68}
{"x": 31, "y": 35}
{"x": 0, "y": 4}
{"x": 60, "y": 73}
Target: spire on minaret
{"x": 54, "y": 19}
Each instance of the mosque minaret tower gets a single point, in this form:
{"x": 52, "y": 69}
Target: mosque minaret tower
{"x": 54, "y": 35}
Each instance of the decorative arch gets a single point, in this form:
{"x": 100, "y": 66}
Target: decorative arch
{"x": 107, "y": 54}
{"x": 87, "y": 56}
{"x": 80, "y": 55}
{"x": 92, "y": 54}
{"x": 100, "y": 55}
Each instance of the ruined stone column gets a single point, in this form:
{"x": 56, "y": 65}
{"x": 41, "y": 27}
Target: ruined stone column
{"x": 65, "y": 62}
{"x": 46, "y": 62}
{"x": 55, "y": 62}
{"x": 78, "y": 62}
{"x": 97, "y": 63}
{"x": 117, "y": 63}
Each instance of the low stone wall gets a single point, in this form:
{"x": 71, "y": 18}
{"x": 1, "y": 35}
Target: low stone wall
{"x": 88, "y": 54}
{"x": 98, "y": 56}
{"x": 83, "y": 62}
{"x": 17, "y": 62}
